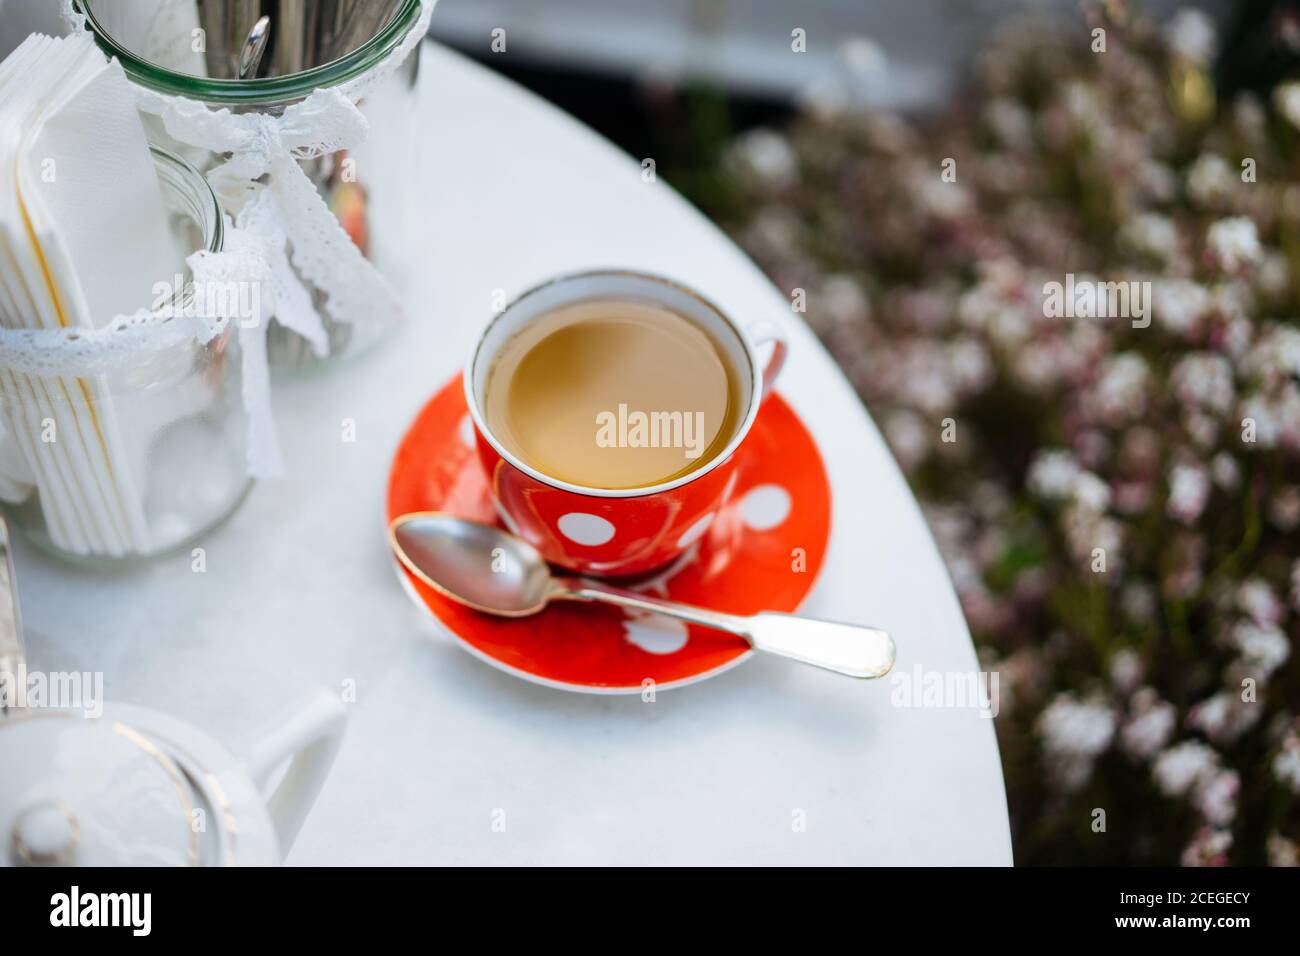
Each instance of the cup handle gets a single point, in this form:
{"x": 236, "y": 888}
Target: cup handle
{"x": 308, "y": 736}
{"x": 766, "y": 332}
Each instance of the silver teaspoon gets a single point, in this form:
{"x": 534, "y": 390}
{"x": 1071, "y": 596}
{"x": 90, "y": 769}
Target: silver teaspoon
{"x": 492, "y": 571}
{"x": 250, "y": 55}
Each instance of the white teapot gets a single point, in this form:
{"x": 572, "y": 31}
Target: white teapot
{"x": 136, "y": 787}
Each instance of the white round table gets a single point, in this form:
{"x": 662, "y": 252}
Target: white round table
{"x": 448, "y": 761}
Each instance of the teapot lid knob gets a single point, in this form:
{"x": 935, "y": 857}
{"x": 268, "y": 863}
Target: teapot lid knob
{"x": 45, "y": 834}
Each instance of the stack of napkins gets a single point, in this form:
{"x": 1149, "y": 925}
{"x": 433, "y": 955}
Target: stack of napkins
{"x": 83, "y": 238}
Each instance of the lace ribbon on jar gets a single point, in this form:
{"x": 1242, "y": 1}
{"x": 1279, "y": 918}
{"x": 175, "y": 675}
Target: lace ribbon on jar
{"x": 273, "y": 198}
{"x": 130, "y": 341}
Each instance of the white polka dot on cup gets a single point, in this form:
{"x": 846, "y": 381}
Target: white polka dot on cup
{"x": 466, "y": 431}
{"x": 586, "y": 529}
{"x": 764, "y": 507}
{"x": 695, "y": 532}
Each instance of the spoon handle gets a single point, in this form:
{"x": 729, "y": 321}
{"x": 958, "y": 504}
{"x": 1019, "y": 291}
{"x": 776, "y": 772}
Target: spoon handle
{"x": 849, "y": 649}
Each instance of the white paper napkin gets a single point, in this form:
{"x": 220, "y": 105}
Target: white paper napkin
{"x": 83, "y": 238}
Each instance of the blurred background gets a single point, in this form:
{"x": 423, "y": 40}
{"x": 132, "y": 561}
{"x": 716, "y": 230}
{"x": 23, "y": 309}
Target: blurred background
{"x": 635, "y": 71}
{"x": 1120, "y": 508}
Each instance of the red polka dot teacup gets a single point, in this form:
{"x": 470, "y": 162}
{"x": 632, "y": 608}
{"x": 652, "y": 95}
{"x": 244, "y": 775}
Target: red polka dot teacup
{"x": 617, "y": 532}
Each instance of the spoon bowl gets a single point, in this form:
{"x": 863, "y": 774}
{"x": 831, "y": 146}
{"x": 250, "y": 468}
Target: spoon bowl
{"x": 474, "y": 564}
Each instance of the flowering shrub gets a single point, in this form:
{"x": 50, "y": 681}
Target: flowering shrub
{"x": 1118, "y": 498}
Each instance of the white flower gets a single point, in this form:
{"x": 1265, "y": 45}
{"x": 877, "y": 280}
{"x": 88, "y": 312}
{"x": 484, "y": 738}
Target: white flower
{"x": 1011, "y": 122}
{"x": 1052, "y": 474}
{"x": 1282, "y": 852}
{"x": 1267, "y": 422}
{"x": 1150, "y": 726}
{"x": 1201, "y": 429}
{"x": 1086, "y": 530}
{"x": 943, "y": 200}
{"x": 1256, "y": 598}
{"x": 1234, "y": 242}
{"x": 1191, "y": 35}
{"x": 1158, "y": 180}
{"x": 908, "y": 438}
{"x": 862, "y": 55}
{"x": 1276, "y": 354}
{"x": 1263, "y": 647}
{"x": 844, "y": 301}
{"x": 1126, "y": 670}
{"x": 1121, "y": 389}
{"x": 823, "y": 98}
{"x": 1091, "y": 492}
{"x": 1226, "y": 471}
{"x": 1287, "y": 100}
{"x": 1189, "y": 490}
{"x": 1179, "y": 304}
{"x": 1082, "y": 104}
{"x": 1210, "y": 179}
{"x": 1069, "y": 725}
{"x": 1152, "y": 234}
{"x": 1216, "y": 799}
{"x": 1286, "y": 765}
{"x": 1273, "y": 277}
{"x": 1182, "y": 767}
{"x": 969, "y": 364}
{"x": 768, "y": 154}
{"x": 1222, "y": 718}
{"x": 925, "y": 383}
{"x": 1205, "y": 379}
{"x": 1074, "y": 732}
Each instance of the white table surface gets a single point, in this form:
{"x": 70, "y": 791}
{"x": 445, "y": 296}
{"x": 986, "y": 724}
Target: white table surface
{"x": 299, "y": 590}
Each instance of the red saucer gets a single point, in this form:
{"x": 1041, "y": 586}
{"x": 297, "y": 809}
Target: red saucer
{"x": 762, "y": 553}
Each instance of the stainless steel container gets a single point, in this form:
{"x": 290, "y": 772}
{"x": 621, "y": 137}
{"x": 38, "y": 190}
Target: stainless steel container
{"x": 192, "y": 48}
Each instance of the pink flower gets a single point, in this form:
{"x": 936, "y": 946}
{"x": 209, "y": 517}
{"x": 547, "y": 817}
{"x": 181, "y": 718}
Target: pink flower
{"x": 1208, "y": 848}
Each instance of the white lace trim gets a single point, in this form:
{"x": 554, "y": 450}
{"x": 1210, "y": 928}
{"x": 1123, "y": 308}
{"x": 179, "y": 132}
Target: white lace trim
{"x": 127, "y": 341}
{"x": 265, "y": 151}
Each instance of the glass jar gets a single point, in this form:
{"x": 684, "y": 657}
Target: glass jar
{"x": 155, "y": 43}
{"x": 148, "y": 456}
